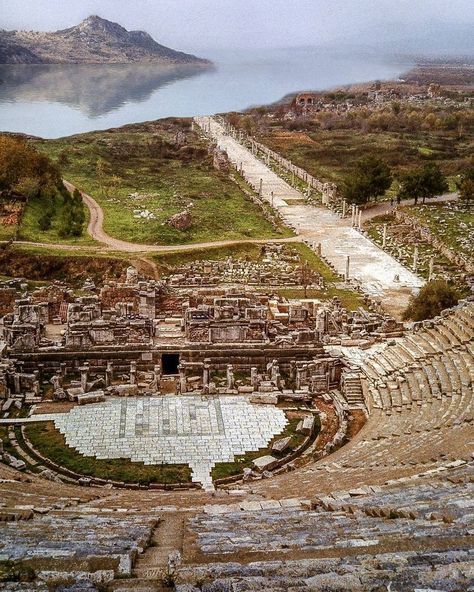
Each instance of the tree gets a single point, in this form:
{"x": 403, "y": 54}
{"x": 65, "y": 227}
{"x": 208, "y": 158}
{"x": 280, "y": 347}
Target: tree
{"x": 466, "y": 186}
{"x": 102, "y": 171}
{"x": 434, "y": 297}
{"x": 72, "y": 217}
{"x": 428, "y": 181}
{"x": 24, "y": 170}
{"x": 370, "y": 179}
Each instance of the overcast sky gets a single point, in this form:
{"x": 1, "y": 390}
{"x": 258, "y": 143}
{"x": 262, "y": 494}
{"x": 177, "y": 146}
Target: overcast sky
{"x": 201, "y": 24}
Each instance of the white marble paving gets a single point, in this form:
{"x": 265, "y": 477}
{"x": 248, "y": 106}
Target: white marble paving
{"x": 378, "y": 272}
{"x": 193, "y": 430}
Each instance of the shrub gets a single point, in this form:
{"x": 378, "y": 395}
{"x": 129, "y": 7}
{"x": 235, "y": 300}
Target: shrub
{"x": 44, "y": 221}
{"x": 434, "y": 297}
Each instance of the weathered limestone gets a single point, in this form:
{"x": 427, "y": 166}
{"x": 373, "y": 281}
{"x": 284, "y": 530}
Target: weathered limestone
{"x": 170, "y": 430}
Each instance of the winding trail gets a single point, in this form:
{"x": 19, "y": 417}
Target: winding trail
{"x": 95, "y": 229}
{"x": 376, "y": 271}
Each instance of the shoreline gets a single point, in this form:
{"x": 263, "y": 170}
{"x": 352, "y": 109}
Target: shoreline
{"x": 456, "y": 72}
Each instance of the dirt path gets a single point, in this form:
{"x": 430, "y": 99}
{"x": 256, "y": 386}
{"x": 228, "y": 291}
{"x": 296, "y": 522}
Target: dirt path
{"x": 387, "y": 208}
{"x": 96, "y": 231}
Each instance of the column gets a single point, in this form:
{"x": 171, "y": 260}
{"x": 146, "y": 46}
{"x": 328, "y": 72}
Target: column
{"x": 344, "y": 207}
{"x": 62, "y": 369}
{"x": 84, "y": 371}
{"x": 41, "y": 371}
{"x": 415, "y": 259}
{"x": 319, "y": 250}
{"x": 254, "y": 378}
{"x": 360, "y": 220}
{"x": 109, "y": 374}
{"x": 298, "y": 378}
{"x": 16, "y": 383}
{"x": 260, "y": 189}
{"x": 431, "y": 268}
{"x": 182, "y": 379}
{"x": 348, "y": 263}
{"x": 133, "y": 372}
{"x": 292, "y": 369}
{"x": 275, "y": 371}
{"x": 206, "y": 372}
{"x": 384, "y": 238}
{"x": 157, "y": 371}
{"x": 230, "y": 377}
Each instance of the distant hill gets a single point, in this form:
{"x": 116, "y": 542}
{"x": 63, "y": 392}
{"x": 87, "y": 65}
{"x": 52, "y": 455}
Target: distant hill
{"x": 94, "y": 41}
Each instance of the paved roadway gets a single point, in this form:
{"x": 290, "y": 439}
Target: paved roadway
{"x": 378, "y": 273}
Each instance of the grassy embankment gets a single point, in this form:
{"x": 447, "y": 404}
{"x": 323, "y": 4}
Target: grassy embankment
{"x": 452, "y": 225}
{"x": 51, "y": 443}
{"x": 144, "y": 159}
{"x": 37, "y": 265}
{"x": 228, "y": 469}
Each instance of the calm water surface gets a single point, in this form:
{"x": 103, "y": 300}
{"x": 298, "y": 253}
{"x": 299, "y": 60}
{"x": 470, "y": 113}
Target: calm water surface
{"x": 53, "y": 101}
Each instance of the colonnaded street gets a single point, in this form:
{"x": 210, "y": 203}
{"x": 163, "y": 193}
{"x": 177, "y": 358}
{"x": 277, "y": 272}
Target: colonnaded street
{"x": 378, "y": 273}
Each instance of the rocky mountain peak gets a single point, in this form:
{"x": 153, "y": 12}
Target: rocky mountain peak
{"x": 94, "y": 25}
{"x": 94, "y": 40}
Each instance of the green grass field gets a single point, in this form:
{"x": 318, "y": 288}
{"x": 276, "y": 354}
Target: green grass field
{"x": 143, "y": 159}
{"x": 331, "y": 154}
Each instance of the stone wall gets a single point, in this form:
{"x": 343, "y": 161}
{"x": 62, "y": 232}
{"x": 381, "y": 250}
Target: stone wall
{"x": 241, "y": 356}
{"x": 7, "y": 300}
{"x": 426, "y": 234}
{"x": 110, "y": 296}
{"x": 328, "y": 191}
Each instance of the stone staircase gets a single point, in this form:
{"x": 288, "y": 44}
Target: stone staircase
{"x": 153, "y": 571}
{"x": 352, "y": 390}
{"x": 419, "y": 395}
